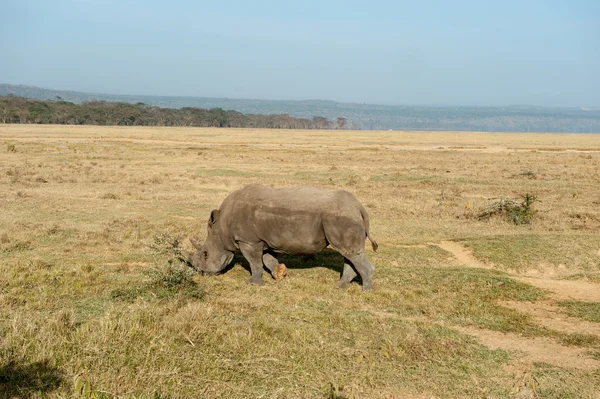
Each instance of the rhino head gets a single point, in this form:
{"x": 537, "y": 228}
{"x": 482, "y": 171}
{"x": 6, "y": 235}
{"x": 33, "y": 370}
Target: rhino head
{"x": 210, "y": 257}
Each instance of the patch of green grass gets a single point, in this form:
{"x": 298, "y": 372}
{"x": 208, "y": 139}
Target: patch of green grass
{"x": 524, "y": 251}
{"x": 556, "y": 383}
{"x": 394, "y": 177}
{"x": 576, "y": 276}
{"x": 386, "y": 177}
{"x": 467, "y": 180}
{"x": 88, "y": 308}
{"x": 312, "y": 177}
{"x": 16, "y": 246}
{"x": 578, "y": 339}
{"x": 414, "y": 286}
{"x": 372, "y": 149}
{"x": 461, "y": 296}
{"x": 589, "y": 311}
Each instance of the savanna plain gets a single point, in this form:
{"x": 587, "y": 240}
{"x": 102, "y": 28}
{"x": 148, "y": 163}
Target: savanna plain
{"x": 470, "y": 300}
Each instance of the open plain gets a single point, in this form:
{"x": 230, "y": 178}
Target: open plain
{"x": 94, "y": 301}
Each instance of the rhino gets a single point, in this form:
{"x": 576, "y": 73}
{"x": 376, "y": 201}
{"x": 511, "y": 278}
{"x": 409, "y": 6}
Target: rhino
{"x": 262, "y": 222}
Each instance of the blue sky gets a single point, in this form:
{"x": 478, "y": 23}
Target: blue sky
{"x": 389, "y": 52}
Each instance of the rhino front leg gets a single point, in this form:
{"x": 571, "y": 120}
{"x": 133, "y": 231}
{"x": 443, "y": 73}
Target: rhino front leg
{"x": 253, "y": 254}
{"x": 348, "y": 275}
{"x": 270, "y": 262}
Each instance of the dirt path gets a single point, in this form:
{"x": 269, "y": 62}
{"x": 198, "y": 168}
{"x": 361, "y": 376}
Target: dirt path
{"x": 537, "y": 349}
{"x": 548, "y": 315}
{"x": 463, "y": 256}
{"x": 545, "y": 313}
{"x": 528, "y": 349}
{"x": 565, "y": 289}
{"x": 560, "y": 289}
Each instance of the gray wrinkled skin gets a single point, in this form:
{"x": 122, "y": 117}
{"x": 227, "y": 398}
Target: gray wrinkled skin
{"x": 263, "y": 221}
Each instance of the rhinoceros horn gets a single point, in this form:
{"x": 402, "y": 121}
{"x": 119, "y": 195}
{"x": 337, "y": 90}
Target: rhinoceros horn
{"x": 195, "y": 243}
{"x": 186, "y": 256}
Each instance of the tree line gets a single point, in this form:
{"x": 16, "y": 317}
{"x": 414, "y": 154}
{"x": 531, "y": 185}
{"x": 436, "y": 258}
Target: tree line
{"x": 15, "y": 109}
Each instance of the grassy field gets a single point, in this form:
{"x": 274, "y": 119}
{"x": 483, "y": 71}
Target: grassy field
{"x": 95, "y": 303}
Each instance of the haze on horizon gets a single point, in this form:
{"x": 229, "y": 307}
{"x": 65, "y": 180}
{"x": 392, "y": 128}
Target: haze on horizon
{"x": 433, "y": 52}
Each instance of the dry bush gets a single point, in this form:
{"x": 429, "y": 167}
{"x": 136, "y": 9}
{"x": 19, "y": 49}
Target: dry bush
{"x": 518, "y": 212}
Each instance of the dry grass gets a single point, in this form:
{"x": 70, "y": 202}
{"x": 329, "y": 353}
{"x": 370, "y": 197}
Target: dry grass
{"x": 91, "y": 289}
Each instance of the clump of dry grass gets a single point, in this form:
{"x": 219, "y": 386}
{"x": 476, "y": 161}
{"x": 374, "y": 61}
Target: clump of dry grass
{"x": 528, "y": 173}
{"x": 10, "y": 245}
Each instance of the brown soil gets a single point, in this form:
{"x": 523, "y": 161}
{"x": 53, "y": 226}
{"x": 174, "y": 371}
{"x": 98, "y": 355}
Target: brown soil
{"x": 462, "y": 256}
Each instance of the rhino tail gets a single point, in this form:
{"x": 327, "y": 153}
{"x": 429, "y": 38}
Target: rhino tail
{"x": 365, "y": 217}
{"x": 374, "y": 244}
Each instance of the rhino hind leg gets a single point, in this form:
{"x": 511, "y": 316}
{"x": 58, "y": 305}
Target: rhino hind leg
{"x": 270, "y": 262}
{"x": 253, "y": 255}
{"x": 364, "y": 267}
{"x": 348, "y": 275}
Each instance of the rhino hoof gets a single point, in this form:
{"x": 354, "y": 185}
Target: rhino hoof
{"x": 342, "y": 285}
{"x": 256, "y": 281}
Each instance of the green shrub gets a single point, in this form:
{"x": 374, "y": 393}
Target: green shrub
{"x": 170, "y": 278}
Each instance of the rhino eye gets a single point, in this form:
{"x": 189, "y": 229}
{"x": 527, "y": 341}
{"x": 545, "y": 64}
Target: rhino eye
{"x": 205, "y": 254}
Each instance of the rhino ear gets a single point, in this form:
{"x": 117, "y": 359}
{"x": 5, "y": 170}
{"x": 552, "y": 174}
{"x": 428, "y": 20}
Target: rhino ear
{"x": 214, "y": 216}
{"x": 195, "y": 243}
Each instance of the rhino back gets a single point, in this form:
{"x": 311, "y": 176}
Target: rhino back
{"x": 291, "y": 220}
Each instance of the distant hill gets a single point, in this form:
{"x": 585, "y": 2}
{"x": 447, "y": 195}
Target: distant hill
{"x": 362, "y": 116}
